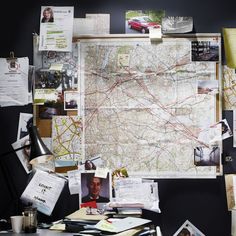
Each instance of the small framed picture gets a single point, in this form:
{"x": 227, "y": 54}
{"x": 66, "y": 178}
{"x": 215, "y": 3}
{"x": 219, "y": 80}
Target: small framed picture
{"x": 95, "y": 188}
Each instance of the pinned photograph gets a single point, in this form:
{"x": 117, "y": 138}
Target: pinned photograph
{"x": 225, "y": 129}
{"x": 51, "y": 109}
{"x": 140, "y": 21}
{"x": 204, "y": 156}
{"x": 95, "y": 188}
{"x": 205, "y": 50}
{"x": 25, "y": 118}
{"x": 188, "y": 229}
{"x": 71, "y": 100}
{"x": 24, "y": 153}
{"x": 176, "y": 24}
{"x": 47, "y": 15}
{"x": 207, "y": 87}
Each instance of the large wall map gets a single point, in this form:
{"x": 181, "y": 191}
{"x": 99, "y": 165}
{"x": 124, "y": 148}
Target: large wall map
{"x": 141, "y": 105}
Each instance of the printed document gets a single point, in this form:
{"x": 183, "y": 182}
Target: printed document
{"x": 56, "y": 28}
{"x": 14, "y": 82}
{"x": 43, "y": 191}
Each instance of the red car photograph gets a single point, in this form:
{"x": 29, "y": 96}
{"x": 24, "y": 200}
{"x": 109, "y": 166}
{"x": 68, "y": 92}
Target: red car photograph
{"x": 142, "y": 24}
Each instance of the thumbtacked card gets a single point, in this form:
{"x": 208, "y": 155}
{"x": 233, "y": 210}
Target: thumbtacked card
{"x": 155, "y": 34}
{"x": 101, "y": 172}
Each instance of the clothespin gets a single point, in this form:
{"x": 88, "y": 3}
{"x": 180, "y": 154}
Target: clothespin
{"x": 12, "y": 60}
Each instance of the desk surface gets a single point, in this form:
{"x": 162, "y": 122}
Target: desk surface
{"x": 43, "y": 232}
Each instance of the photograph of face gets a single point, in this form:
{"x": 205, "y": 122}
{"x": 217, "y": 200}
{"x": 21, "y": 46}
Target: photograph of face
{"x": 95, "y": 188}
{"x": 47, "y": 15}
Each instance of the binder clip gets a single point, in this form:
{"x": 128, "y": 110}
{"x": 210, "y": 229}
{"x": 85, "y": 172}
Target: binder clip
{"x": 12, "y": 60}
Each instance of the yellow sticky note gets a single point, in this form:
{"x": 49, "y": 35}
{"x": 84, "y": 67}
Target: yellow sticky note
{"x": 55, "y": 66}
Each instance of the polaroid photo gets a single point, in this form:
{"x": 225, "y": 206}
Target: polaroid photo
{"x": 71, "y": 100}
{"x": 188, "y": 229}
{"x": 95, "y": 188}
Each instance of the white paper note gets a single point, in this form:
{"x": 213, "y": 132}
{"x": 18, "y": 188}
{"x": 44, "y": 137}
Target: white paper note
{"x": 43, "y": 191}
{"x": 74, "y": 181}
{"x": 101, "y": 172}
{"x": 14, "y": 82}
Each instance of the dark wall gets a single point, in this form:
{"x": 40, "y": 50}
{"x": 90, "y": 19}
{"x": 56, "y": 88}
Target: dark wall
{"x": 203, "y": 202}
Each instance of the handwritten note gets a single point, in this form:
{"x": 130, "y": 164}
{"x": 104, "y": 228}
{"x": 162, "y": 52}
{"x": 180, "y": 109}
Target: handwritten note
{"x": 43, "y": 191}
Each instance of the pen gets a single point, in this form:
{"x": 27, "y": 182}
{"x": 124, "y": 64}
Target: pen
{"x": 147, "y": 232}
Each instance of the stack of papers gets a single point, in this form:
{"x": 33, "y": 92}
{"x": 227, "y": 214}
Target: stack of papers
{"x": 121, "y": 225}
{"x": 81, "y": 214}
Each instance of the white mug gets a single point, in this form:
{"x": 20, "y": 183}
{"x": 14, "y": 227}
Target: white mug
{"x": 16, "y": 223}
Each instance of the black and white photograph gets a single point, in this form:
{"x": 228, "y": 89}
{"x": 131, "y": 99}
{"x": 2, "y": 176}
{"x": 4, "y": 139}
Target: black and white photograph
{"x": 176, "y": 24}
{"x": 205, "y": 50}
{"x": 225, "y": 129}
{"x": 24, "y": 153}
{"x": 24, "y": 119}
{"x": 204, "y": 156}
